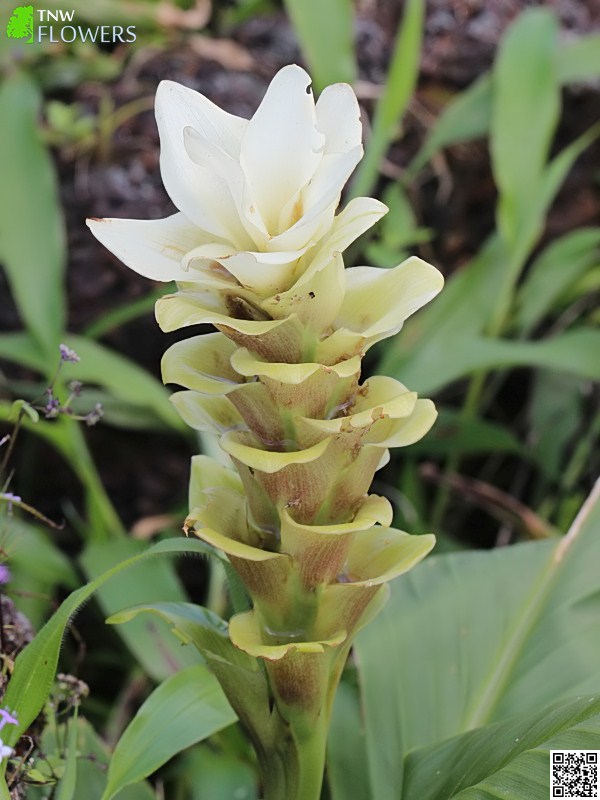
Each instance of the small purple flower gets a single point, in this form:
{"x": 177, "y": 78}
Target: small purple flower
{"x": 5, "y": 577}
{"x": 95, "y": 415}
{"x": 10, "y": 498}
{"x": 52, "y": 407}
{"x": 75, "y": 388}
{"x": 68, "y": 355}
{"x": 6, "y": 718}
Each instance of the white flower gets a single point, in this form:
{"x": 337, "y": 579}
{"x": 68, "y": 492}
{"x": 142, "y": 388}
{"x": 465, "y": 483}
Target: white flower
{"x": 254, "y": 195}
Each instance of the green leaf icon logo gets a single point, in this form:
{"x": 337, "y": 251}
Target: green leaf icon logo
{"x": 20, "y": 25}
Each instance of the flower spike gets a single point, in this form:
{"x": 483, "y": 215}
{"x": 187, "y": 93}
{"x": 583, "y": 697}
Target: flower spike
{"x": 257, "y": 251}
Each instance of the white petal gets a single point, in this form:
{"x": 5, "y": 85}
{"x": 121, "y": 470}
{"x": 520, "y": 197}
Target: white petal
{"x": 222, "y": 129}
{"x": 338, "y": 117}
{"x": 208, "y": 156}
{"x": 265, "y": 273}
{"x": 153, "y": 248}
{"x": 359, "y": 215}
{"x": 320, "y": 199}
{"x": 281, "y": 147}
{"x": 200, "y": 193}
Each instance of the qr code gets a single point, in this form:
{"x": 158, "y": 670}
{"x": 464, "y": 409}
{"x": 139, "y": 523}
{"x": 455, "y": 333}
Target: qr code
{"x": 574, "y": 774}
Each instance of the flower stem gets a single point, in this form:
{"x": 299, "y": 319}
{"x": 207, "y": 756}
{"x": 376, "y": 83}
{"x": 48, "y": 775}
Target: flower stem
{"x": 293, "y": 769}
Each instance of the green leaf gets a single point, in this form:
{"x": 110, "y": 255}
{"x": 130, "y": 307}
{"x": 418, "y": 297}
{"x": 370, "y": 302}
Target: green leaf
{"x": 452, "y": 431}
{"x": 574, "y": 352}
{"x": 35, "y": 666}
{"x": 185, "y": 709}
{"x": 579, "y": 59}
{"x": 347, "y": 768}
{"x": 555, "y": 415}
{"x": 192, "y": 624}
{"x": 468, "y": 114}
{"x": 557, "y": 268}
{"x": 149, "y": 640}
{"x": 508, "y": 760}
{"x": 326, "y": 34}
{"x": 397, "y": 231}
{"x": 525, "y": 112}
{"x": 475, "y": 638}
{"x": 218, "y": 776}
{"x": 402, "y": 78}
{"x": 32, "y": 237}
{"x": 21, "y": 348}
{"x": 466, "y": 117}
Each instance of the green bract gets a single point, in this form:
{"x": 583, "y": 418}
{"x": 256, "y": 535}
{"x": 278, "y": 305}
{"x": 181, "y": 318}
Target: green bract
{"x": 257, "y": 252}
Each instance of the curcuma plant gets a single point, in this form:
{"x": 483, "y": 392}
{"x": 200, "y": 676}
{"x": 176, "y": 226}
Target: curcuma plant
{"x": 256, "y": 250}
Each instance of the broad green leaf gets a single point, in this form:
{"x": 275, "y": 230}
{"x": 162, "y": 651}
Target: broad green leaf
{"x": 192, "y": 624}
{"x": 468, "y": 114}
{"x": 579, "y": 60}
{"x": 347, "y": 768}
{"x": 35, "y": 666}
{"x": 510, "y": 757}
{"x": 121, "y": 315}
{"x": 149, "y": 640}
{"x": 453, "y": 431}
{"x": 22, "y": 348}
{"x": 556, "y": 412}
{"x": 32, "y": 237}
{"x": 557, "y": 268}
{"x": 185, "y": 709}
{"x": 475, "y": 638}
{"x": 401, "y": 81}
{"x": 525, "y": 112}
{"x": 466, "y": 117}
{"x": 574, "y": 352}
{"x": 397, "y": 230}
{"x": 326, "y": 34}
{"x": 212, "y": 775}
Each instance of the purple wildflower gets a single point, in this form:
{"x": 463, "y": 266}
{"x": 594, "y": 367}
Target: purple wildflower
{"x": 6, "y": 718}
{"x": 68, "y": 355}
{"x": 52, "y": 407}
{"x": 5, "y": 577}
{"x": 95, "y": 415}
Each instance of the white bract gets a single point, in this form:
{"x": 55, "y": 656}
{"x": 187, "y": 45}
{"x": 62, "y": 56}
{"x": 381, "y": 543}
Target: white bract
{"x": 253, "y": 195}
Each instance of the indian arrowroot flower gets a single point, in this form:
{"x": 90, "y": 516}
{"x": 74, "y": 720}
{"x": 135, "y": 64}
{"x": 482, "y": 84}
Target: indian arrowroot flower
{"x": 257, "y": 251}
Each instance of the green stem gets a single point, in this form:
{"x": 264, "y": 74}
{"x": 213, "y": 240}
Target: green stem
{"x": 292, "y": 769}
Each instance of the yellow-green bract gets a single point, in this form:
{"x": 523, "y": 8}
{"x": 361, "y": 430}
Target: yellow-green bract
{"x": 256, "y": 249}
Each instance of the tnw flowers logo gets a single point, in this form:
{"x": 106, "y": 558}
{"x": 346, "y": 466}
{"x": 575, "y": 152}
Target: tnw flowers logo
{"x": 20, "y": 25}
{"x": 43, "y": 24}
